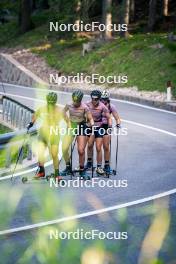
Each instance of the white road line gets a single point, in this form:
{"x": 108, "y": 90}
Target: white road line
{"x": 87, "y": 214}
{"x": 126, "y": 121}
{"x": 113, "y": 99}
{"x": 150, "y": 127}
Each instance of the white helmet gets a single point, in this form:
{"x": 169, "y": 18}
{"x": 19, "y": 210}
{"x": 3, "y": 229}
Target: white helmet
{"x": 105, "y": 94}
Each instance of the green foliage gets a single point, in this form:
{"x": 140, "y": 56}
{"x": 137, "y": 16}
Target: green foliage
{"x": 172, "y": 47}
{"x": 147, "y": 67}
{"x": 12, "y": 6}
{"x": 4, "y": 129}
{"x": 8, "y": 33}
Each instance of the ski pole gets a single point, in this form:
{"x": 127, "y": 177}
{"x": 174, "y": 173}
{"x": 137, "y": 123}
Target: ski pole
{"x": 19, "y": 154}
{"x": 93, "y": 161}
{"x": 71, "y": 156}
{"x": 117, "y": 146}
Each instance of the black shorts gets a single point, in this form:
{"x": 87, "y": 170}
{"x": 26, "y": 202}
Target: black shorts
{"x": 105, "y": 126}
{"x": 98, "y": 132}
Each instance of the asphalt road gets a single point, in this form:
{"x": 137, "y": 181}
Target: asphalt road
{"x": 146, "y": 162}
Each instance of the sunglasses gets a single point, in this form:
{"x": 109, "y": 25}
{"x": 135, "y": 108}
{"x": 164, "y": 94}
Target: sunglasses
{"x": 95, "y": 99}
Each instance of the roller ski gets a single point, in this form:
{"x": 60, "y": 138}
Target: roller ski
{"x": 40, "y": 175}
{"x": 100, "y": 171}
{"x": 83, "y": 173}
{"x": 89, "y": 166}
{"x": 67, "y": 171}
{"x": 108, "y": 171}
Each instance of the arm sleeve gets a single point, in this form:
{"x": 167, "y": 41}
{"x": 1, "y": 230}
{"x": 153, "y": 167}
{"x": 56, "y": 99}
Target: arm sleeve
{"x": 113, "y": 109}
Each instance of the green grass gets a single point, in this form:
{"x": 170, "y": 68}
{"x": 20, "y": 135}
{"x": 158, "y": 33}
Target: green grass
{"x": 3, "y": 130}
{"x": 146, "y": 67}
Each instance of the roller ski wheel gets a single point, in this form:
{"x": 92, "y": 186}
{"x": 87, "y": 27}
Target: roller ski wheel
{"x": 24, "y": 179}
{"x": 114, "y": 172}
{"x": 48, "y": 177}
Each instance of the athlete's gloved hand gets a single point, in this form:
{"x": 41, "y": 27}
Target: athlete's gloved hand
{"x": 29, "y": 125}
{"x": 118, "y": 126}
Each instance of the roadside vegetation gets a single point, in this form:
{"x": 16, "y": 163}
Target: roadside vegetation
{"x": 146, "y": 56}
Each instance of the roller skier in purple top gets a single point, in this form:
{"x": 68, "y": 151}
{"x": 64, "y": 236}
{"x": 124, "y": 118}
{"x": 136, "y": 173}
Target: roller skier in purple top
{"x": 98, "y": 110}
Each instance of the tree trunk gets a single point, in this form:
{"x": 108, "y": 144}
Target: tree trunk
{"x": 165, "y": 7}
{"x": 107, "y": 18}
{"x": 25, "y": 22}
{"x": 125, "y": 16}
{"x": 33, "y": 5}
{"x": 152, "y": 14}
{"x": 132, "y": 10}
{"x": 78, "y": 12}
{"x": 45, "y": 4}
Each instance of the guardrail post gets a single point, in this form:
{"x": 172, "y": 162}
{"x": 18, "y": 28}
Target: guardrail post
{"x": 9, "y": 112}
{"x": 14, "y": 113}
{"x": 19, "y": 125}
{"x": 16, "y": 116}
{"x": 8, "y": 157}
{"x": 6, "y": 105}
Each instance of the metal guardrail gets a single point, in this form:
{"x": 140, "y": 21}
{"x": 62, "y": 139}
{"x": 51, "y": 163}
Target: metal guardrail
{"x": 18, "y": 116}
{"x": 15, "y": 113}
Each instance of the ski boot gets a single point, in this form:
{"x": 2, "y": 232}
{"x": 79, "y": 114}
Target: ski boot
{"x": 40, "y": 173}
{"x": 100, "y": 171}
{"x": 88, "y": 165}
{"x": 57, "y": 176}
{"x": 107, "y": 170}
{"x": 66, "y": 172}
{"x": 84, "y": 175}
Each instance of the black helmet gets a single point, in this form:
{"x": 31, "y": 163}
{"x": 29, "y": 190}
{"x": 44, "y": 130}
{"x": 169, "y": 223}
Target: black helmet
{"x": 96, "y": 94}
{"x": 51, "y": 98}
{"x": 77, "y": 96}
